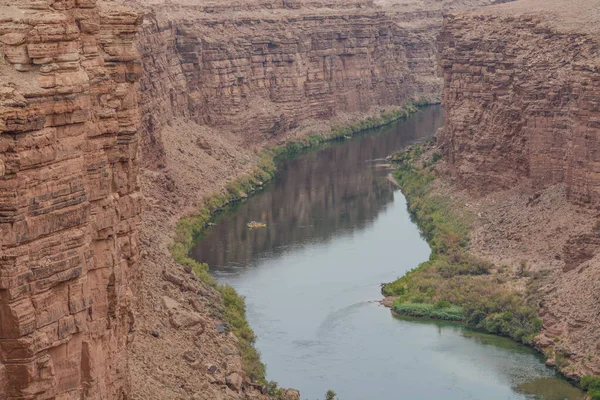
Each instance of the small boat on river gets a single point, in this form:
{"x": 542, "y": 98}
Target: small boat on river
{"x": 256, "y": 225}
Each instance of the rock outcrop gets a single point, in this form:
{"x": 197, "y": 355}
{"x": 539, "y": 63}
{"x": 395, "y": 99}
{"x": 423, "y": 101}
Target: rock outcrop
{"x": 522, "y": 99}
{"x": 259, "y": 72}
{"x": 69, "y": 198}
{"x": 522, "y": 95}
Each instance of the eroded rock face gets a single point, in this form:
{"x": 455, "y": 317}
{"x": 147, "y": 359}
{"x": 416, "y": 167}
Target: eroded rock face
{"x": 69, "y": 201}
{"x": 522, "y": 99}
{"x": 522, "y": 96}
{"x": 260, "y": 72}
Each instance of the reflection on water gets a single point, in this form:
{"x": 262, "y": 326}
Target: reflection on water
{"x": 548, "y": 388}
{"x": 335, "y": 230}
{"x": 315, "y": 197}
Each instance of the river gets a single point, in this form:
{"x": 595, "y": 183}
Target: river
{"x": 336, "y": 229}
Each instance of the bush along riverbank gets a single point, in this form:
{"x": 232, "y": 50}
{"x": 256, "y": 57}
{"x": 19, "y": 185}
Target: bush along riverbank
{"x": 189, "y": 230}
{"x": 452, "y": 285}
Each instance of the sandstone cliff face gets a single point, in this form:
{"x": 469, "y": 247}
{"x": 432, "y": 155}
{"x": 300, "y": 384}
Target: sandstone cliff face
{"x": 522, "y": 99}
{"x": 259, "y": 73}
{"x": 69, "y": 201}
{"x": 522, "y": 95}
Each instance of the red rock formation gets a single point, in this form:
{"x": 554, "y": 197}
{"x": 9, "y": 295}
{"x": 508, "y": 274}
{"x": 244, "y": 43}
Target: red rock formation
{"x": 261, "y": 72}
{"x": 69, "y": 202}
{"x": 247, "y": 71}
{"x": 522, "y": 90}
{"x": 522, "y": 98}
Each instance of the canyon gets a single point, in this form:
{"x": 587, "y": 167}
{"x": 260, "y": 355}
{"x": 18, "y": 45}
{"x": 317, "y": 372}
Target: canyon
{"x": 119, "y": 118}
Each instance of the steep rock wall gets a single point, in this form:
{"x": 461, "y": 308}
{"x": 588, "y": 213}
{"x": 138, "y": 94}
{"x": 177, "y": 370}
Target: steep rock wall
{"x": 259, "y": 73}
{"x": 522, "y": 99}
{"x": 522, "y": 95}
{"x": 69, "y": 199}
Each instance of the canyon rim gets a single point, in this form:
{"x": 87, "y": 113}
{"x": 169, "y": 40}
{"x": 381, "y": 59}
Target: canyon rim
{"x": 118, "y": 118}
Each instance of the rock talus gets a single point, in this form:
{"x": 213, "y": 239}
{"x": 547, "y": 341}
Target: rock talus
{"x": 69, "y": 198}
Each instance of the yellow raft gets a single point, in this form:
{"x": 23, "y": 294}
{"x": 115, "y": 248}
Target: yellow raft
{"x": 256, "y": 225}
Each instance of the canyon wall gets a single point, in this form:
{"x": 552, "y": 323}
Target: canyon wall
{"x": 222, "y": 81}
{"x": 522, "y": 95}
{"x": 69, "y": 198}
{"x": 217, "y": 83}
{"x": 522, "y": 133}
{"x": 261, "y": 72}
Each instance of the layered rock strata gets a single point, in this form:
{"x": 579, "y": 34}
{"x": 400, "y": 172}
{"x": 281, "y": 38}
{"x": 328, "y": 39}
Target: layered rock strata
{"x": 262, "y": 72}
{"x": 69, "y": 198}
{"x": 522, "y": 95}
{"x": 522, "y": 99}
{"x": 219, "y": 82}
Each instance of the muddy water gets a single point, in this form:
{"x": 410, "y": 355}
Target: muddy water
{"x": 336, "y": 229}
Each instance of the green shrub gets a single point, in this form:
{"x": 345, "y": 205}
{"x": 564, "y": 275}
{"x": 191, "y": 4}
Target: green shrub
{"x": 561, "y": 359}
{"x": 423, "y": 310}
{"x": 594, "y": 394}
{"x": 330, "y": 395}
{"x": 272, "y": 389}
{"x": 451, "y": 277}
{"x": 590, "y": 383}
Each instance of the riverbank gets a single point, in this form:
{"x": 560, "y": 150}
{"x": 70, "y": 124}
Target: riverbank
{"x": 473, "y": 276}
{"x": 233, "y": 170}
{"x": 189, "y": 230}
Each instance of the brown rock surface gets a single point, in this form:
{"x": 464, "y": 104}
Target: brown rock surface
{"x": 255, "y": 71}
{"x": 522, "y": 89}
{"x": 220, "y": 81}
{"x": 522, "y": 98}
{"x": 69, "y": 201}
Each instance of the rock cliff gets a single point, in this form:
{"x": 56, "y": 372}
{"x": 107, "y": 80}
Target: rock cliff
{"x": 259, "y": 72}
{"x": 522, "y": 99}
{"x": 522, "y": 90}
{"x": 69, "y": 198}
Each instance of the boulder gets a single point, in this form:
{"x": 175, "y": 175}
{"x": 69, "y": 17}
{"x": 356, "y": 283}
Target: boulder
{"x": 234, "y": 381}
{"x": 291, "y": 394}
{"x": 185, "y": 319}
{"x": 170, "y": 304}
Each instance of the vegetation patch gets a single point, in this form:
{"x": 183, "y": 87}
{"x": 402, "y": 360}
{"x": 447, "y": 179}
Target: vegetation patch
{"x": 592, "y": 385}
{"x": 312, "y": 140}
{"x": 446, "y": 312}
{"x": 451, "y": 277}
{"x": 189, "y": 230}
